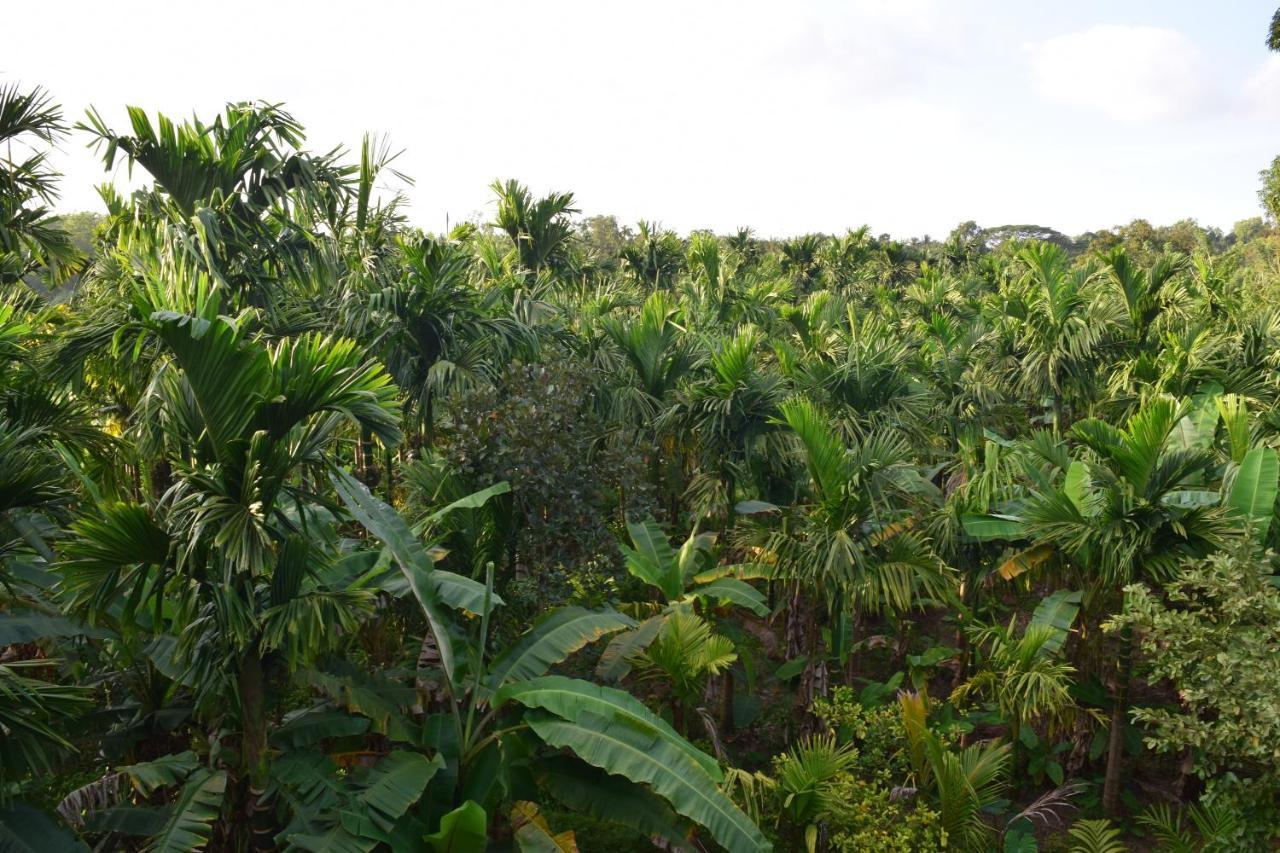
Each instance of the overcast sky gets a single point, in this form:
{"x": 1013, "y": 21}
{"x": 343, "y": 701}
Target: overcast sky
{"x": 908, "y": 115}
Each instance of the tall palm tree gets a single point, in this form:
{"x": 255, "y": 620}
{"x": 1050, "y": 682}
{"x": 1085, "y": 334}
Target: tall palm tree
{"x": 239, "y": 194}
{"x": 436, "y": 329}
{"x": 30, "y": 236}
{"x": 1060, "y": 329}
{"x": 851, "y": 547}
{"x": 226, "y": 560}
{"x": 655, "y": 257}
{"x": 657, "y": 356}
{"x": 730, "y": 415}
{"x": 540, "y": 229}
{"x": 1132, "y": 516}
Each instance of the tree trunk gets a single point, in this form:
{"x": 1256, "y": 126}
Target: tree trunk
{"x": 795, "y": 622}
{"x": 161, "y": 478}
{"x": 258, "y": 831}
{"x": 1119, "y": 712}
{"x": 730, "y": 491}
{"x": 391, "y": 477}
{"x": 369, "y": 473}
{"x": 726, "y": 701}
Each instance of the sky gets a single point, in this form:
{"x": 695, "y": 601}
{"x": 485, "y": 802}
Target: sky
{"x": 910, "y": 116}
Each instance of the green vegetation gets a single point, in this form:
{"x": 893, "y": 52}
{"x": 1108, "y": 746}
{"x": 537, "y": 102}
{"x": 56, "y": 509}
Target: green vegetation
{"x": 319, "y": 532}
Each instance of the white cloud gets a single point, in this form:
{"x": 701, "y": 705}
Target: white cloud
{"x": 1129, "y": 73}
{"x": 1261, "y": 97}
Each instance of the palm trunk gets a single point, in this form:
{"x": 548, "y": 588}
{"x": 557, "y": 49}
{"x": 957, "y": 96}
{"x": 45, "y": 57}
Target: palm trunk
{"x": 731, "y": 492}
{"x": 1119, "y": 712}
{"x": 726, "y": 701}
{"x": 368, "y": 461}
{"x": 257, "y": 830}
{"x": 391, "y": 477}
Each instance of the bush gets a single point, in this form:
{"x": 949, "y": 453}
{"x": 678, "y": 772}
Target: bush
{"x": 864, "y": 815}
{"x": 538, "y": 430}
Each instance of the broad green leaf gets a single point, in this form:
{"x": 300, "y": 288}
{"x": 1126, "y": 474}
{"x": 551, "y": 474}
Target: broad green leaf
{"x": 643, "y": 756}
{"x": 475, "y": 500}
{"x": 463, "y": 830}
{"x": 1025, "y": 561}
{"x": 755, "y": 507}
{"x": 984, "y": 528}
{"x": 791, "y": 668}
{"x": 1192, "y": 498}
{"x": 396, "y": 783}
{"x": 590, "y": 790}
{"x": 534, "y": 835}
{"x": 125, "y": 819}
{"x": 315, "y": 725}
{"x": 1253, "y": 495}
{"x": 336, "y": 840}
{"x": 191, "y": 818}
{"x": 24, "y": 829}
{"x": 27, "y": 627}
{"x": 740, "y": 571}
{"x": 579, "y": 700}
{"x": 552, "y": 639}
{"x": 735, "y": 592}
{"x": 1196, "y": 430}
{"x": 694, "y": 554}
{"x": 996, "y": 438}
{"x": 161, "y": 772}
{"x": 615, "y": 660}
{"x": 461, "y": 593}
{"x": 1076, "y": 485}
{"x": 652, "y": 559}
{"x": 385, "y": 523}
{"x": 1058, "y": 611}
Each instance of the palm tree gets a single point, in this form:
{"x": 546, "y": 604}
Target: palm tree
{"x": 1060, "y": 327}
{"x": 437, "y": 331}
{"x": 731, "y": 415}
{"x": 1144, "y": 293}
{"x": 540, "y": 229}
{"x": 30, "y": 236}
{"x": 801, "y": 258}
{"x": 239, "y": 195}
{"x": 226, "y": 561}
{"x": 1128, "y": 517}
{"x": 850, "y": 545}
{"x": 655, "y": 257}
{"x": 657, "y": 357}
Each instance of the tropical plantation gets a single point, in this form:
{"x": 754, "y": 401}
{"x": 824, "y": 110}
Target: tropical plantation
{"x": 321, "y": 532}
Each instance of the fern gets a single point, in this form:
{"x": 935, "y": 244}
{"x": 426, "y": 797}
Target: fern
{"x": 1095, "y": 836}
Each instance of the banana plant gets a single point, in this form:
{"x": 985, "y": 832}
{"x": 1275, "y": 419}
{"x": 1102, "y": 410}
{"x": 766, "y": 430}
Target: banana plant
{"x": 502, "y": 713}
{"x": 682, "y": 577}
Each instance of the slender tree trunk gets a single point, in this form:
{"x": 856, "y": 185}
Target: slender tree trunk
{"x": 161, "y": 478}
{"x": 368, "y": 460}
{"x": 795, "y": 622}
{"x": 391, "y": 477}
{"x": 258, "y": 829}
{"x": 731, "y": 493}
{"x": 726, "y": 701}
{"x": 1119, "y": 712}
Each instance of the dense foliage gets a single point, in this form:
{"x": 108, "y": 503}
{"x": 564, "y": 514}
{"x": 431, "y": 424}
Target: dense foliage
{"x": 320, "y": 532}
